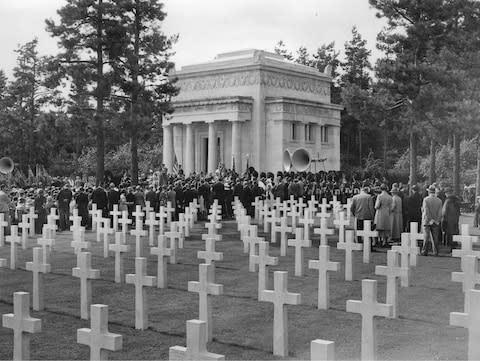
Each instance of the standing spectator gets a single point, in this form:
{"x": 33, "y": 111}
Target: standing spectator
{"x": 82, "y": 203}
{"x": 139, "y": 197}
{"x": 362, "y": 208}
{"x": 113, "y": 196}
{"x": 99, "y": 197}
{"x": 397, "y": 215}
{"x": 431, "y": 218}
{"x": 476, "y": 220}
{"x": 152, "y": 198}
{"x": 383, "y": 205}
{"x": 39, "y": 205}
{"x": 63, "y": 199}
{"x": 450, "y": 217}
{"x": 414, "y": 208}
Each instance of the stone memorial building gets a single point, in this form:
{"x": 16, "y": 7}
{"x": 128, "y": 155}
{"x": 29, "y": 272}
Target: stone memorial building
{"x": 245, "y": 108}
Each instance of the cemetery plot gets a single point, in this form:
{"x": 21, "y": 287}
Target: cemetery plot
{"x": 243, "y": 326}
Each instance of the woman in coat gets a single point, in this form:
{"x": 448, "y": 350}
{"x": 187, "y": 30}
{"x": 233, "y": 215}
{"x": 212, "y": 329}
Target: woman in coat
{"x": 396, "y": 215}
{"x": 450, "y": 217}
{"x": 383, "y": 205}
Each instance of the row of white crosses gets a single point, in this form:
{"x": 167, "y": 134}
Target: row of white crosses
{"x": 469, "y": 277}
{"x": 98, "y": 338}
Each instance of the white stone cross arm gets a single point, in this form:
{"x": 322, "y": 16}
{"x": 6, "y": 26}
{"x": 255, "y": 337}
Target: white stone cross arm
{"x": 98, "y": 338}
{"x": 470, "y": 277}
{"x": 21, "y": 323}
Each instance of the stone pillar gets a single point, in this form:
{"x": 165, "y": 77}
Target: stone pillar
{"x": 212, "y": 148}
{"x": 237, "y": 145}
{"x": 168, "y": 147}
{"x": 189, "y": 150}
{"x": 178, "y": 143}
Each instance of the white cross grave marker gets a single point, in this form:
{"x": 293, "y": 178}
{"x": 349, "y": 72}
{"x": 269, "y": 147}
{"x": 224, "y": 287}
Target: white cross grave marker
{"x": 349, "y": 246}
{"x": 196, "y": 344}
{"x": 14, "y": 240}
{"x": 85, "y": 272}
{"x": 263, "y": 260}
{"x": 124, "y": 221}
{"x": 170, "y": 210}
{"x": 25, "y": 226}
{"x": 340, "y": 223}
{"x": 162, "y": 216}
{"x": 151, "y": 222}
{"x": 97, "y": 337}
{"x": 162, "y": 252}
{"x": 3, "y": 225}
{"x": 115, "y": 215}
{"x": 22, "y": 324}
{"x": 407, "y": 253}
{"x": 119, "y": 248}
{"x": 367, "y": 235}
{"x": 94, "y": 212}
{"x": 299, "y": 242}
{"x": 138, "y": 232}
{"x": 140, "y": 280}
{"x": 32, "y": 216}
{"x": 392, "y": 271}
{"x": 324, "y": 265}
{"x": 323, "y": 231}
{"x": 280, "y": 297}
{"x": 283, "y": 229}
{"x": 322, "y": 350}
{"x": 37, "y": 267}
{"x": 205, "y": 287}
{"x": 469, "y": 278}
{"x": 369, "y": 307}
{"x": 46, "y": 243}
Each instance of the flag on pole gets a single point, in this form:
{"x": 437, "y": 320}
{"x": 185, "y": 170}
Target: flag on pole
{"x": 233, "y": 163}
{"x": 175, "y": 164}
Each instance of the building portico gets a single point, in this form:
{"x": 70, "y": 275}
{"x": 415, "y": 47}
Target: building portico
{"x": 244, "y": 109}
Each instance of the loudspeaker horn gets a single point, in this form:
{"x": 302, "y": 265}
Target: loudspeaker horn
{"x": 301, "y": 160}
{"x": 287, "y": 160}
{"x": 6, "y": 165}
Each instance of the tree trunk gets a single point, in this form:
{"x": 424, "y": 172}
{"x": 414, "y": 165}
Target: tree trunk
{"x": 360, "y": 147}
{"x": 456, "y": 164}
{"x": 477, "y": 186}
{"x": 413, "y": 158}
{"x": 100, "y": 95}
{"x": 134, "y": 98}
{"x": 385, "y": 142}
{"x": 432, "y": 177}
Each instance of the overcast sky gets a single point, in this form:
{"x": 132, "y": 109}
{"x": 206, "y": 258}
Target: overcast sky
{"x": 209, "y": 27}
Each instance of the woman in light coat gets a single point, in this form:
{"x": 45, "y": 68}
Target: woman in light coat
{"x": 383, "y": 224}
{"x": 397, "y": 216}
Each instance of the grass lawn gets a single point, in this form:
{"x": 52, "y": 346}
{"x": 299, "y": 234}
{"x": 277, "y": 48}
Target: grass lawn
{"x": 242, "y": 326}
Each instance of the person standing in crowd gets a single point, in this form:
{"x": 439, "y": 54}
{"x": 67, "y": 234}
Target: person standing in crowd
{"x": 396, "y": 214}
{"x": 81, "y": 198}
{"x": 414, "y": 208}
{"x": 40, "y": 211}
{"x": 218, "y": 192}
{"x": 63, "y": 200}
{"x": 152, "y": 198}
{"x": 139, "y": 197}
{"x": 100, "y": 198}
{"x": 113, "y": 197}
{"x": 476, "y": 221}
{"x": 450, "y": 217}
{"x": 431, "y": 219}
{"x": 362, "y": 208}
{"x": 383, "y": 224}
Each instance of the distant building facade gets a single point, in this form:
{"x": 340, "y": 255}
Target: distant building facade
{"x": 245, "y": 108}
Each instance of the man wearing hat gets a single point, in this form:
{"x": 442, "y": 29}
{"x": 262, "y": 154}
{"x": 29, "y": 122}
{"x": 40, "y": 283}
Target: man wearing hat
{"x": 414, "y": 207}
{"x": 431, "y": 219}
{"x": 450, "y": 216}
{"x": 362, "y": 208}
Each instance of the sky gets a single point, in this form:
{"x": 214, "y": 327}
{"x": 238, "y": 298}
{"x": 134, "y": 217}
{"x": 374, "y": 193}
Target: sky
{"x": 209, "y": 27}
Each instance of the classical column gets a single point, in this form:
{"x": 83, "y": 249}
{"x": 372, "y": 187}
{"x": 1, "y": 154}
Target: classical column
{"x": 168, "y": 147}
{"x": 189, "y": 150}
{"x": 237, "y": 146}
{"x": 212, "y": 148}
{"x": 178, "y": 143}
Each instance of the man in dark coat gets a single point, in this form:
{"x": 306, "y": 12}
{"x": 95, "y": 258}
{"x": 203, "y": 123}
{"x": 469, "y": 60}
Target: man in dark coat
{"x": 64, "y": 198}
{"x": 99, "y": 197}
{"x": 113, "y": 196}
{"x": 152, "y": 197}
{"x": 82, "y": 203}
{"x": 450, "y": 217}
{"x": 414, "y": 208}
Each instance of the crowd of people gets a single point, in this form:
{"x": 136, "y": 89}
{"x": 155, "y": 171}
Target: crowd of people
{"x": 390, "y": 207}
